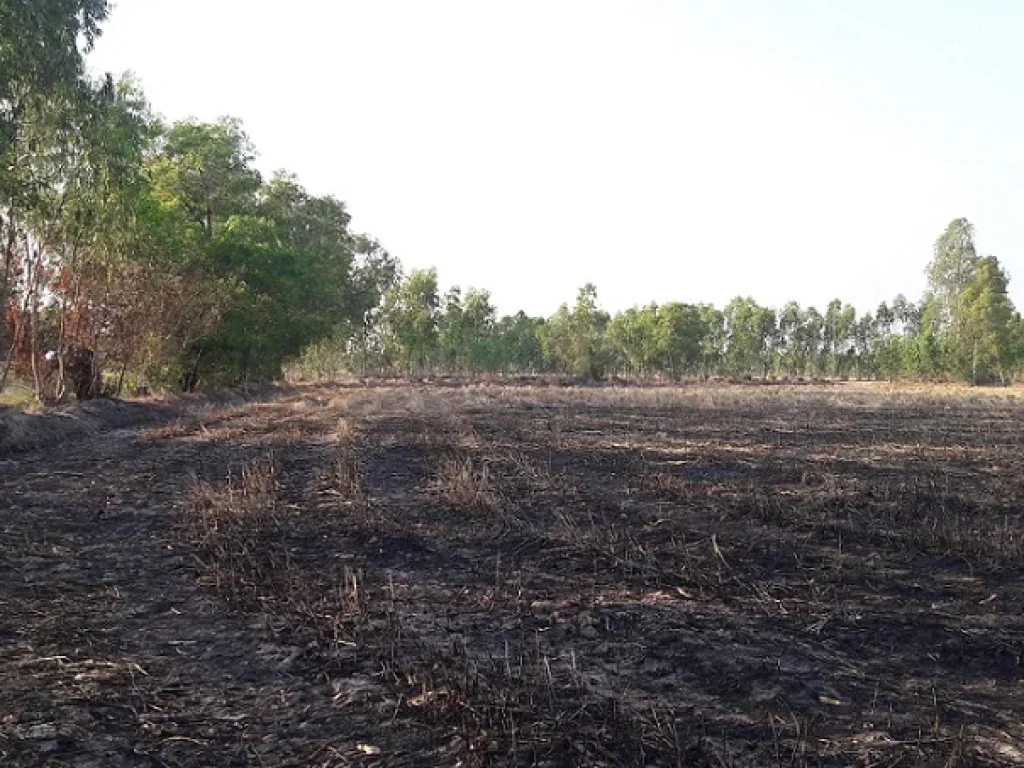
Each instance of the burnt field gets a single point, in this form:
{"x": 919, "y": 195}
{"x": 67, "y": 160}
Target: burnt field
{"x": 708, "y": 576}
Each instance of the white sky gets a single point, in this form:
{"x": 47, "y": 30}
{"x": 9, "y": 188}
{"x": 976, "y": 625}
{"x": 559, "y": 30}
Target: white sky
{"x": 796, "y": 149}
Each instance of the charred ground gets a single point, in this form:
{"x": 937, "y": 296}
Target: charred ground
{"x": 523, "y": 576}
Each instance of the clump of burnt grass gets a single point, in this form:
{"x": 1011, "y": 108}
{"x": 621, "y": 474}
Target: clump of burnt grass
{"x": 911, "y": 519}
{"x": 239, "y": 531}
{"x": 176, "y": 429}
{"x": 663, "y": 486}
{"x": 465, "y": 484}
{"x": 344, "y": 431}
{"x": 345, "y": 479}
{"x": 955, "y": 533}
{"x": 532, "y": 706}
{"x": 232, "y": 527}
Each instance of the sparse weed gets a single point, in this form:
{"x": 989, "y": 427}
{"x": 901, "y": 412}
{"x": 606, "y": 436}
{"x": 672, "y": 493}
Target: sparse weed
{"x": 346, "y": 478}
{"x": 232, "y": 526}
{"x": 465, "y": 484}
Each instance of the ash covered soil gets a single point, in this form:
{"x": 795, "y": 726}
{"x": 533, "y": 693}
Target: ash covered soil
{"x": 486, "y": 575}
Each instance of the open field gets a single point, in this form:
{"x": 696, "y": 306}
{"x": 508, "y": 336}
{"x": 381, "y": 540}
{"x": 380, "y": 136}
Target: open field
{"x": 393, "y": 576}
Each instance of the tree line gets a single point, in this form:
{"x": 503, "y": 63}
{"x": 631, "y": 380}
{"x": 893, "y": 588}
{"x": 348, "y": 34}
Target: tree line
{"x": 965, "y": 328}
{"x": 162, "y": 251}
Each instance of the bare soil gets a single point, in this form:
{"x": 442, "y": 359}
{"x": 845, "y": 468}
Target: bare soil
{"x": 487, "y": 575}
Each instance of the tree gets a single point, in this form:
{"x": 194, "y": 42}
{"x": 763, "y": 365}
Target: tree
{"x": 43, "y": 91}
{"x": 574, "y": 341}
{"x": 838, "y": 326}
{"x": 411, "y": 314}
{"x": 517, "y": 344}
{"x": 812, "y": 339}
{"x": 951, "y": 269}
{"x": 633, "y": 336}
{"x": 588, "y": 323}
{"x": 982, "y": 321}
{"x": 681, "y": 332}
{"x": 42, "y": 47}
{"x": 713, "y": 341}
{"x": 206, "y": 170}
{"x": 750, "y": 334}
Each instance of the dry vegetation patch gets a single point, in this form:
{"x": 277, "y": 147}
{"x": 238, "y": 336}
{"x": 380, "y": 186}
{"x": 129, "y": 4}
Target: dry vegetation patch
{"x": 575, "y": 576}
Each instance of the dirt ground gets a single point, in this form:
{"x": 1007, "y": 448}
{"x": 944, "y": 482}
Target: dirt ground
{"x": 485, "y": 575}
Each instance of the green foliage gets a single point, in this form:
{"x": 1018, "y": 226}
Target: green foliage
{"x": 163, "y": 250}
{"x": 951, "y": 269}
{"x": 982, "y": 319}
{"x": 412, "y": 313}
{"x": 466, "y": 330}
{"x": 751, "y": 331}
{"x": 42, "y": 71}
{"x": 634, "y": 338}
{"x": 206, "y": 171}
{"x": 516, "y": 345}
{"x": 574, "y": 341}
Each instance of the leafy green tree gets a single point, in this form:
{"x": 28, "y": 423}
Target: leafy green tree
{"x": 466, "y": 329}
{"x": 360, "y": 335}
{"x": 206, "y": 170}
{"x": 864, "y": 346}
{"x": 268, "y": 319}
{"x": 589, "y": 324}
{"x": 951, "y": 269}
{"x": 42, "y": 68}
{"x": 838, "y": 326}
{"x": 573, "y": 341}
{"x": 982, "y": 321}
{"x": 517, "y": 344}
{"x": 633, "y": 337}
{"x": 792, "y": 355}
{"x": 411, "y": 313}
{"x": 682, "y": 330}
{"x": 750, "y": 332}
{"x": 1015, "y": 333}
{"x": 812, "y": 337}
{"x": 712, "y": 348}
{"x": 479, "y": 318}
{"x": 45, "y": 101}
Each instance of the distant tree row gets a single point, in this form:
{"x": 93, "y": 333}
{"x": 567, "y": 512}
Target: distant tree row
{"x": 965, "y": 327}
{"x": 161, "y": 251}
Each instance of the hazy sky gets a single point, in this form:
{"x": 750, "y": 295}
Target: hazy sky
{"x": 687, "y": 149}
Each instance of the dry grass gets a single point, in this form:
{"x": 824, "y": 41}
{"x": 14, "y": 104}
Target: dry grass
{"x": 346, "y": 478}
{"x": 632, "y": 515}
{"x": 232, "y": 527}
{"x": 465, "y": 484}
{"x": 344, "y": 430}
{"x": 498, "y": 575}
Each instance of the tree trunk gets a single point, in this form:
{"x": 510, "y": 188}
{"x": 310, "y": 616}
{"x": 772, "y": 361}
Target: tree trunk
{"x": 120, "y": 377}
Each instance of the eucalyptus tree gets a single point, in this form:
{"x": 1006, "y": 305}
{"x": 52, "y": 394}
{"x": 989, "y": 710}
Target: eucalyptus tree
{"x": 206, "y": 169}
{"x": 792, "y": 354}
{"x": 712, "y": 347}
{"x": 574, "y": 340}
{"x": 982, "y": 320}
{"x": 42, "y": 66}
{"x": 633, "y": 337}
{"x": 360, "y": 333}
{"x": 952, "y": 267}
{"x": 751, "y": 332}
{"x": 517, "y": 344}
{"x": 411, "y": 313}
{"x": 682, "y": 330}
{"x": 43, "y": 91}
{"x": 838, "y": 326}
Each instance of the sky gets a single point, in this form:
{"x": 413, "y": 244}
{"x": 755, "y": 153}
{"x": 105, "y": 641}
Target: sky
{"x": 689, "y": 150}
